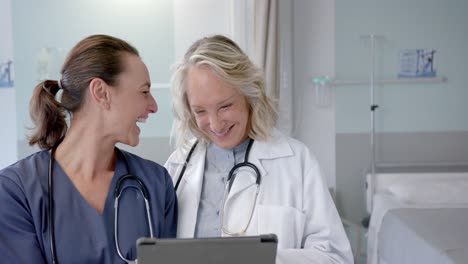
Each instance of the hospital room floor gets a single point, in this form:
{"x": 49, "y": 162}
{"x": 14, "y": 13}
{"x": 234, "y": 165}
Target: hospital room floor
{"x": 352, "y": 236}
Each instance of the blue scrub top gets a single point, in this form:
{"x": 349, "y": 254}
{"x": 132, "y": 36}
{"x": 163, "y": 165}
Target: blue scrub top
{"x": 82, "y": 235}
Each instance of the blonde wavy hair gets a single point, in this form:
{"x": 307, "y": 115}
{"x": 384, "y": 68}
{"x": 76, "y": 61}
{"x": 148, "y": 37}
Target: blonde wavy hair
{"x": 232, "y": 65}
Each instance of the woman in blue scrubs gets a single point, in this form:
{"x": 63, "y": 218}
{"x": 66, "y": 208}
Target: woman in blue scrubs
{"x": 105, "y": 89}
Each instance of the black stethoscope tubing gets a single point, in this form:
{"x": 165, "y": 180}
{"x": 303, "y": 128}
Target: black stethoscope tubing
{"x": 246, "y": 163}
{"x": 51, "y": 208}
{"x": 117, "y": 192}
{"x": 189, "y": 155}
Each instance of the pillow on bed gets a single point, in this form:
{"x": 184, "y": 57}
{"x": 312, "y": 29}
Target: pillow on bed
{"x": 432, "y": 192}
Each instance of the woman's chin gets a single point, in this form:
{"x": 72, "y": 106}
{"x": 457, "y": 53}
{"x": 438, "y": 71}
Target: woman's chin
{"x": 133, "y": 144}
{"x": 134, "y": 138}
{"x": 134, "y": 141}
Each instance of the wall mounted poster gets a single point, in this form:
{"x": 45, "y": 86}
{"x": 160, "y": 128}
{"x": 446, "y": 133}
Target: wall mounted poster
{"x": 6, "y": 73}
{"x": 417, "y": 63}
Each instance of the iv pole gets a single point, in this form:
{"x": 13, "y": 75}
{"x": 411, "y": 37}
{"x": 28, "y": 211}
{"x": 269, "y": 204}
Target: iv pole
{"x": 373, "y": 108}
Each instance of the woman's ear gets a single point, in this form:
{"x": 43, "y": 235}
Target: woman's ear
{"x": 99, "y": 91}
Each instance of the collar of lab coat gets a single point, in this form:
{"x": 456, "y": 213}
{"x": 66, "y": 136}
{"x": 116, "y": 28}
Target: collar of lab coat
{"x": 276, "y": 147}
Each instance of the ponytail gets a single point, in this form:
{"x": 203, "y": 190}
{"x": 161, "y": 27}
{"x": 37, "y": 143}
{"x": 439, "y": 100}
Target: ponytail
{"x": 48, "y": 115}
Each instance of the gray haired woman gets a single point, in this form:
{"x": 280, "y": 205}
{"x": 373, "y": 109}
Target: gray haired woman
{"x": 235, "y": 174}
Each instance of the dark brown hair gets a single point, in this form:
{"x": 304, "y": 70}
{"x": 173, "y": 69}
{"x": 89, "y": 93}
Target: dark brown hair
{"x": 97, "y": 56}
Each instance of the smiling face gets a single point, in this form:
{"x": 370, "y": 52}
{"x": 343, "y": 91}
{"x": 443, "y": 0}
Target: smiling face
{"x": 132, "y": 100}
{"x": 221, "y": 111}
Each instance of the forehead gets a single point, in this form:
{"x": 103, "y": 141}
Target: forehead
{"x": 134, "y": 68}
{"x": 205, "y": 87}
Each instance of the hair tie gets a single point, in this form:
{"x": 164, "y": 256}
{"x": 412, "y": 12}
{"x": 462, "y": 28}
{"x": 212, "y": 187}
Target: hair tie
{"x": 59, "y": 83}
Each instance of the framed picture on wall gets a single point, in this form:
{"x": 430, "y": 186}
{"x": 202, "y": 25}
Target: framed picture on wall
{"x": 416, "y": 63}
{"x": 6, "y": 74}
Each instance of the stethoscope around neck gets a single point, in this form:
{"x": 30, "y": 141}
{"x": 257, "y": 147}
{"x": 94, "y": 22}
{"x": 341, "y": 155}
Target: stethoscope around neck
{"x": 118, "y": 190}
{"x": 229, "y": 183}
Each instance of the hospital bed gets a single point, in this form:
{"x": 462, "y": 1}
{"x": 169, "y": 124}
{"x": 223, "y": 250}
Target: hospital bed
{"x": 418, "y": 215}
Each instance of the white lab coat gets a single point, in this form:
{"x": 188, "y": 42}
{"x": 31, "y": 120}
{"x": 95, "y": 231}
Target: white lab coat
{"x": 293, "y": 202}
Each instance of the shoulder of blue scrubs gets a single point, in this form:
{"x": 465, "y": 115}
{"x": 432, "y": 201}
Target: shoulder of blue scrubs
{"x": 147, "y": 170}
{"x": 161, "y": 191}
{"x": 22, "y": 192}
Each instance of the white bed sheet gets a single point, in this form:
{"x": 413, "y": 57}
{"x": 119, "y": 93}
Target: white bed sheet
{"x": 384, "y": 202}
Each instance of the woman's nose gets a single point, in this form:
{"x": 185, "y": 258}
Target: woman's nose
{"x": 216, "y": 125}
{"x": 153, "y": 106}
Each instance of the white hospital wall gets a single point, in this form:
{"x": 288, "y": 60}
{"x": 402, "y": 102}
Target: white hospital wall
{"x": 6, "y": 45}
{"x": 402, "y": 24}
{"x": 314, "y": 55}
{"x": 197, "y": 19}
{"x": 8, "y": 153}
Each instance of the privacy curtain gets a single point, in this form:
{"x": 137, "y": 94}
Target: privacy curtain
{"x": 265, "y": 53}
{"x": 273, "y": 54}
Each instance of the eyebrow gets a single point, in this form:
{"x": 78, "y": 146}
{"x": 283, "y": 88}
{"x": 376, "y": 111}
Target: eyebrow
{"x": 220, "y": 103}
{"x": 228, "y": 99}
{"x": 145, "y": 84}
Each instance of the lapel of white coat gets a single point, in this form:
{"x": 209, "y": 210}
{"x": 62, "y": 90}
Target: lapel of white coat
{"x": 243, "y": 189}
{"x": 189, "y": 191}
{"x": 276, "y": 147}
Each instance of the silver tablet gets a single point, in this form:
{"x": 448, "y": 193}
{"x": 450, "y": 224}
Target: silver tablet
{"x": 225, "y": 250}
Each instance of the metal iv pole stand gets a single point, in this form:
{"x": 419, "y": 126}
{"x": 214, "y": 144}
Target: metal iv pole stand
{"x": 373, "y": 107}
